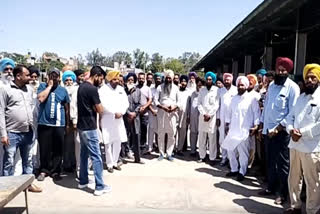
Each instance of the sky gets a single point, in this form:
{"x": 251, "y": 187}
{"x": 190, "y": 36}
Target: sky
{"x": 71, "y": 27}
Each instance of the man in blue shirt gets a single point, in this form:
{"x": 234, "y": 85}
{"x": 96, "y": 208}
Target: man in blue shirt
{"x": 281, "y": 97}
{"x": 53, "y": 114}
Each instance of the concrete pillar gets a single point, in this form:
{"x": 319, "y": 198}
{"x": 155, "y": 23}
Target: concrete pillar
{"x": 300, "y": 53}
{"x": 219, "y": 71}
{"x": 225, "y": 68}
{"x": 268, "y": 58}
{"x": 247, "y": 64}
{"x": 235, "y": 69}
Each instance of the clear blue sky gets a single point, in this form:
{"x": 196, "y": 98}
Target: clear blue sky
{"x": 69, "y": 27}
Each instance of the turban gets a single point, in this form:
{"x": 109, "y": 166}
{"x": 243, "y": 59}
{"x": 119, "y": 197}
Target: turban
{"x": 54, "y": 70}
{"x": 285, "y": 62}
{"x": 227, "y": 75}
{"x": 67, "y": 74}
{"x": 261, "y": 72}
{"x": 252, "y": 78}
{"x": 243, "y": 80}
{"x": 34, "y": 70}
{"x": 184, "y": 77}
{"x": 212, "y": 75}
{"x": 113, "y": 75}
{"x": 314, "y": 68}
{"x": 78, "y": 72}
{"x": 193, "y": 74}
{"x": 169, "y": 73}
{"x": 132, "y": 75}
{"x": 157, "y": 74}
{"x": 5, "y": 62}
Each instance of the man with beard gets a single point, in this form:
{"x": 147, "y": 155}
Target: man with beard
{"x": 6, "y": 67}
{"x": 208, "y": 105}
{"x": 253, "y": 81}
{"x": 52, "y": 124}
{"x": 193, "y": 116}
{"x": 74, "y": 116}
{"x": 88, "y": 106}
{"x": 192, "y": 85}
{"x": 132, "y": 121}
{"x": 304, "y": 126}
{"x": 241, "y": 121}
{"x": 16, "y": 123}
{"x": 149, "y": 79}
{"x": 184, "y": 95}
{"x": 176, "y": 79}
{"x": 146, "y": 99}
{"x": 226, "y": 94}
{"x": 153, "y": 110}
{"x": 69, "y": 79}
{"x": 166, "y": 99}
{"x": 115, "y": 104}
{"x": 281, "y": 97}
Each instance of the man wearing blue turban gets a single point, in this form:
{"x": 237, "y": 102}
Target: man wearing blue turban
{"x": 208, "y": 105}
{"x": 6, "y": 67}
{"x": 260, "y": 75}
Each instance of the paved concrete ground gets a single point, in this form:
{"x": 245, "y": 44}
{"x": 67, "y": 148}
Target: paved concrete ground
{"x": 182, "y": 186}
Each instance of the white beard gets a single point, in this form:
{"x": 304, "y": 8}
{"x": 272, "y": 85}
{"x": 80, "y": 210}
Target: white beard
{"x": 5, "y": 79}
{"x": 69, "y": 89}
{"x": 130, "y": 86}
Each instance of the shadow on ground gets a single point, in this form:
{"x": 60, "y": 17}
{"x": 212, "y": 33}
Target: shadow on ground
{"x": 252, "y": 206}
{"x": 69, "y": 181}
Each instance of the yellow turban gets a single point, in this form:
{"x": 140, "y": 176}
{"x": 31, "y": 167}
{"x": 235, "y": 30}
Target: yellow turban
{"x": 252, "y": 78}
{"x": 113, "y": 75}
{"x": 314, "y": 68}
{"x": 169, "y": 73}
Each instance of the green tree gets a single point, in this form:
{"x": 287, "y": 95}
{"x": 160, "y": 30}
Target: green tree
{"x": 175, "y": 65}
{"x": 189, "y": 59}
{"x": 95, "y": 58}
{"x": 157, "y": 64}
{"x": 140, "y": 59}
{"x": 50, "y": 54}
{"x": 122, "y": 56}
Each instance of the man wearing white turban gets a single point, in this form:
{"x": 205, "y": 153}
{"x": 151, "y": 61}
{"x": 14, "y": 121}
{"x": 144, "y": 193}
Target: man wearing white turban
{"x": 242, "y": 121}
{"x": 166, "y": 99}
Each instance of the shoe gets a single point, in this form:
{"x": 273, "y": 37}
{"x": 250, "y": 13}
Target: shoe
{"x": 232, "y": 174}
{"x": 42, "y": 176}
{"x": 265, "y": 192}
{"x": 140, "y": 162}
{"x": 292, "y": 210}
{"x": 117, "y": 168}
{"x": 82, "y": 186}
{"x": 279, "y": 200}
{"x": 120, "y": 163}
{"x": 170, "y": 158}
{"x": 212, "y": 162}
{"x": 56, "y": 176}
{"x": 106, "y": 189}
{"x": 160, "y": 158}
{"x": 201, "y": 160}
{"x": 223, "y": 163}
{"x": 110, "y": 169}
{"x": 34, "y": 188}
{"x": 193, "y": 154}
{"x": 240, "y": 177}
{"x": 180, "y": 153}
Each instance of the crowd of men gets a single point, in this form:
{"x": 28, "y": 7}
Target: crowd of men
{"x": 60, "y": 124}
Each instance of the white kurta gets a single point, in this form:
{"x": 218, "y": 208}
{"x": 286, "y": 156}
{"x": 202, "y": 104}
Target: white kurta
{"x": 113, "y": 101}
{"x": 225, "y": 101}
{"x": 182, "y": 104}
{"x": 208, "y": 104}
{"x": 243, "y": 115}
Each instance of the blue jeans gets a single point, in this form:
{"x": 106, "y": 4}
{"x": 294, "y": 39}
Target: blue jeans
{"x": 90, "y": 147}
{"x": 24, "y": 142}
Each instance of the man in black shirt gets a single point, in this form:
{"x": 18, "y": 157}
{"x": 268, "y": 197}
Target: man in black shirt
{"x": 88, "y": 106}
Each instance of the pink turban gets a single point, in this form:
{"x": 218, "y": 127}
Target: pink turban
{"x": 285, "y": 62}
{"x": 227, "y": 75}
{"x": 243, "y": 80}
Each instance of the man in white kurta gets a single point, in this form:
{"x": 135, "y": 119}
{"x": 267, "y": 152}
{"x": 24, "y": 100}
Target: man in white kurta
{"x": 115, "y": 104}
{"x": 193, "y": 116}
{"x": 208, "y": 105}
{"x": 166, "y": 100}
{"x": 242, "y": 121}
{"x": 226, "y": 94}
{"x": 303, "y": 124}
{"x": 184, "y": 95}
{"x": 153, "y": 111}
